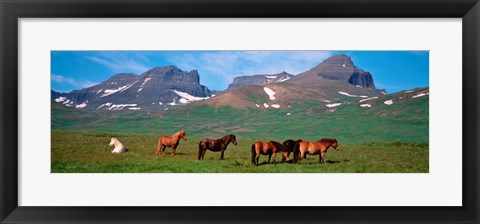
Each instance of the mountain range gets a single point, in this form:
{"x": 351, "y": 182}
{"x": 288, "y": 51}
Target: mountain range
{"x": 333, "y": 82}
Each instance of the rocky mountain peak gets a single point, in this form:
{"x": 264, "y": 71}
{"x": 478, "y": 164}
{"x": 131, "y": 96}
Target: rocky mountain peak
{"x": 122, "y": 76}
{"x": 156, "y": 89}
{"x": 160, "y": 70}
{"x": 243, "y": 81}
{"x": 172, "y": 74}
{"x": 340, "y": 67}
{"x": 339, "y": 60}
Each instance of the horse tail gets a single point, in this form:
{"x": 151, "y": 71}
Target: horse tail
{"x": 200, "y": 150}
{"x": 254, "y": 154}
{"x": 159, "y": 146}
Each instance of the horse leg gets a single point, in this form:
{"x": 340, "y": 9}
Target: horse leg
{"x": 273, "y": 155}
{"x": 203, "y": 154}
{"x": 173, "y": 151}
{"x": 200, "y": 151}
{"x": 285, "y": 156}
{"x": 254, "y": 154}
{"x": 269, "y": 157}
{"x": 161, "y": 149}
{"x": 302, "y": 155}
{"x": 322, "y": 157}
{"x": 221, "y": 155}
{"x": 159, "y": 146}
{"x": 257, "y": 157}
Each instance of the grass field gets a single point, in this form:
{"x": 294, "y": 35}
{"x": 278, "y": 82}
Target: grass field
{"x": 88, "y": 152}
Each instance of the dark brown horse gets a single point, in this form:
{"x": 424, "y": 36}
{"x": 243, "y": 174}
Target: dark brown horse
{"x": 313, "y": 148}
{"x": 267, "y": 148}
{"x": 215, "y": 145}
{"x": 170, "y": 141}
{"x": 290, "y": 146}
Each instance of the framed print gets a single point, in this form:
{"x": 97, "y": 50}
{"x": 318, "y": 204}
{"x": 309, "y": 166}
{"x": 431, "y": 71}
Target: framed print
{"x": 161, "y": 111}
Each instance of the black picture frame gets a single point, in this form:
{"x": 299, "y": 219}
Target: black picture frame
{"x": 11, "y": 11}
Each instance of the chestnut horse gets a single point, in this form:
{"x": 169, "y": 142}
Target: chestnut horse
{"x": 313, "y": 148}
{"x": 170, "y": 141}
{"x": 215, "y": 145}
{"x": 267, "y": 148}
{"x": 290, "y": 146}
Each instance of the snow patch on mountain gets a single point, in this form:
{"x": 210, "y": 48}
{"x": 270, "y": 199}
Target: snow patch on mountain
{"x": 346, "y": 94}
{"x": 283, "y": 79}
{"x": 121, "y": 106}
{"x": 388, "y": 102}
{"x": 82, "y": 105}
{"x": 187, "y": 98}
{"x": 60, "y": 99}
{"x": 105, "y": 104}
{"x": 372, "y": 98}
{"x": 419, "y": 95}
{"x": 109, "y": 92}
{"x": 269, "y": 92}
{"x": 143, "y": 84}
{"x": 183, "y": 100}
{"x": 333, "y": 105}
{"x": 366, "y": 105}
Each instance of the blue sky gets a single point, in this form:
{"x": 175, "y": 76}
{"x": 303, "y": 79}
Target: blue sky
{"x": 391, "y": 70}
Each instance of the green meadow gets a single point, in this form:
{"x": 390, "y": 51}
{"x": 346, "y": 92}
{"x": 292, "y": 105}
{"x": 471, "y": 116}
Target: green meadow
{"x": 88, "y": 152}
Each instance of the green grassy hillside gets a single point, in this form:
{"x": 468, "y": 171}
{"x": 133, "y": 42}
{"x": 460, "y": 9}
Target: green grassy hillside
{"x": 405, "y": 121}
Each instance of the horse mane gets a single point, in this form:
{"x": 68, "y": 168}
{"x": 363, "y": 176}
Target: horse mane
{"x": 329, "y": 140}
{"x": 228, "y": 136}
{"x": 278, "y": 145}
{"x": 179, "y": 133}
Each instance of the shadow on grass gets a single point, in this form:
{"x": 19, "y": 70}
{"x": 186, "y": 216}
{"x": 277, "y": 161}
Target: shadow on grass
{"x": 333, "y": 162}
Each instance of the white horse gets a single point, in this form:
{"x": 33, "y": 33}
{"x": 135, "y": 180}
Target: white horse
{"x": 118, "y": 146}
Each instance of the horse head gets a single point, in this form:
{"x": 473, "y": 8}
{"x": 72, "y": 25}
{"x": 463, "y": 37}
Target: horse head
{"x": 233, "y": 139}
{"x": 183, "y": 135}
{"x": 335, "y": 144}
{"x": 112, "y": 142}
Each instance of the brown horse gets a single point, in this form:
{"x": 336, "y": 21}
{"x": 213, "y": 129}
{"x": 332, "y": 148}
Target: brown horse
{"x": 313, "y": 148}
{"x": 215, "y": 145}
{"x": 290, "y": 146}
{"x": 170, "y": 141}
{"x": 267, "y": 148}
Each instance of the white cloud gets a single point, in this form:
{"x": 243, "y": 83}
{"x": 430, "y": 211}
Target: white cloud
{"x": 71, "y": 81}
{"x": 121, "y": 62}
{"x": 217, "y": 69}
